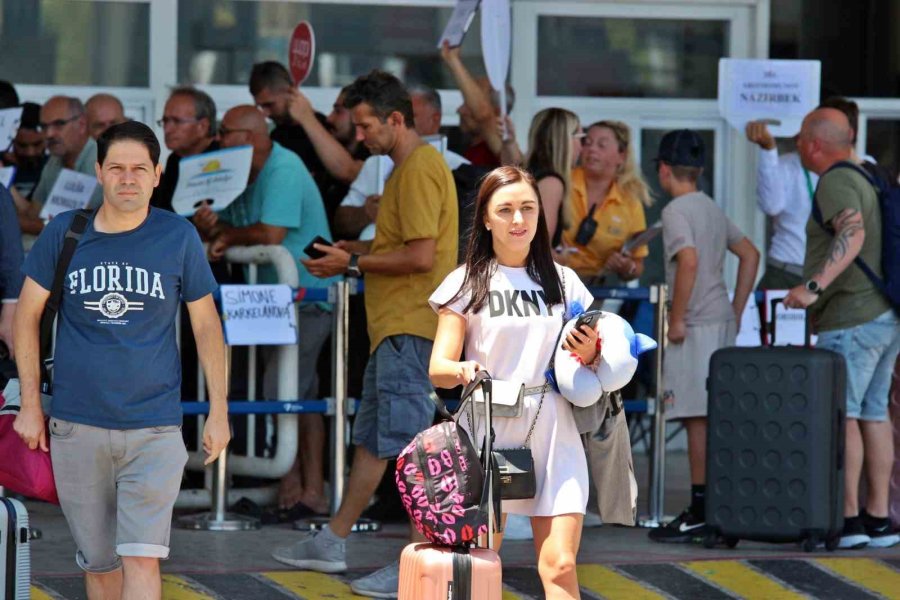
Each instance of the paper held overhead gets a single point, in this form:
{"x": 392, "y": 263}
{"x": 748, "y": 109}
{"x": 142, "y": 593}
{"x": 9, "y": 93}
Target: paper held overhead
{"x": 459, "y": 23}
{"x": 215, "y": 178}
{"x": 495, "y": 43}
{"x": 780, "y": 92}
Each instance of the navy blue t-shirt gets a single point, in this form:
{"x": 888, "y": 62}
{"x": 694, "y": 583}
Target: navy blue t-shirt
{"x": 116, "y": 364}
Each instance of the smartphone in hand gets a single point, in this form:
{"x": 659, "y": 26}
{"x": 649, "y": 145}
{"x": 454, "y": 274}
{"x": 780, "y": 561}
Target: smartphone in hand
{"x": 313, "y": 252}
{"x": 589, "y": 317}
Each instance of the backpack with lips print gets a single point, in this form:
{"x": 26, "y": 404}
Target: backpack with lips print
{"x": 442, "y": 482}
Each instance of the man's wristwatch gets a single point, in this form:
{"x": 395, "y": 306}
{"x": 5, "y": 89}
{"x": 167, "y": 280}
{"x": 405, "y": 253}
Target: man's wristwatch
{"x": 353, "y": 267}
{"x": 813, "y": 286}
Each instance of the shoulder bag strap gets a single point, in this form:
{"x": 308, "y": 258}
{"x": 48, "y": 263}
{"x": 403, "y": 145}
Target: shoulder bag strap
{"x": 48, "y": 318}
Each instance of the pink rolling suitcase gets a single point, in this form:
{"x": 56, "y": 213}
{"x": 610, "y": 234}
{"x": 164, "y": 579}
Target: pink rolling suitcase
{"x": 438, "y": 572}
{"x": 429, "y": 571}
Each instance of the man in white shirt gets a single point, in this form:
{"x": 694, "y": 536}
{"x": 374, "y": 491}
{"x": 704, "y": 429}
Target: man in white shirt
{"x": 784, "y": 192}
{"x": 359, "y": 208}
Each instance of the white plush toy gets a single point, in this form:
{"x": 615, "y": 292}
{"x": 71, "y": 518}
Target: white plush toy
{"x": 619, "y": 351}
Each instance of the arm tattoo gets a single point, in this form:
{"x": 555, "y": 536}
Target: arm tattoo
{"x": 846, "y": 224}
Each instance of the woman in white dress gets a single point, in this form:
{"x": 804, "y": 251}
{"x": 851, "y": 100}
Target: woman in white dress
{"x": 505, "y": 307}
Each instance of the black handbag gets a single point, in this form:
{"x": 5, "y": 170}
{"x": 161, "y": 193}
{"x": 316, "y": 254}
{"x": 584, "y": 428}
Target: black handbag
{"x": 514, "y": 477}
{"x": 515, "y": 473}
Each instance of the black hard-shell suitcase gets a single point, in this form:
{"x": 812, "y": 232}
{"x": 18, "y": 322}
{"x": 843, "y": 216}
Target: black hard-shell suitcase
{"x": 15, "y": 559}
{"x": 775, "y": 445}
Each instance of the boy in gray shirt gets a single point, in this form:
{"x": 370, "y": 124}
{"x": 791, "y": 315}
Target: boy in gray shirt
{"x": 696, "y": 234}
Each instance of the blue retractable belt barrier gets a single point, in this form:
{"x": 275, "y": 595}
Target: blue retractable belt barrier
{"x": 620, "y": 293}
{"x": 267, "y": 407}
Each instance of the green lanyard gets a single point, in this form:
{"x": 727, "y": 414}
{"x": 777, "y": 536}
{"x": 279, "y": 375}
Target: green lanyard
{"x": 809, "y": 185}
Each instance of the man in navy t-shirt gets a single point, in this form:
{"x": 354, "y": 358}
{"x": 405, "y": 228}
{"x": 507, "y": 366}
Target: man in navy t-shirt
{"x": 115, "y": 417}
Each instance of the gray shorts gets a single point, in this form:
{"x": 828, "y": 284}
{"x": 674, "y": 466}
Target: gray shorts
{"x": 117, "y": 489}
{"x": 395, "y": 403}
{"x": 686, "y": 367}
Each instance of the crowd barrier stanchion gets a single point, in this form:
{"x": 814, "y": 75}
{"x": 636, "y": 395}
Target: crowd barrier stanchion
{"x": 339, "y": 390}
{"x": 658, "y": 435}
{"x": 219, "y": 519}
{"x": 286, "y": 425}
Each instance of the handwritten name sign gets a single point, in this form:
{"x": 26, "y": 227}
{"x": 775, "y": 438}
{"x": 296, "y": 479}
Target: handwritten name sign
{"x": 72, "y": 190}
{"x": 257, "y": 315}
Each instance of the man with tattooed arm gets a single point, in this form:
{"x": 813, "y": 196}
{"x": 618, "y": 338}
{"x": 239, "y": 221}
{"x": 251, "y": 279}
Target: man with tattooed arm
{"x": 851, "y": 317}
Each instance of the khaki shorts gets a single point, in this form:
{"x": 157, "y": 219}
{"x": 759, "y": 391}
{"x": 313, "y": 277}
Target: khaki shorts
{"x": 117, "y": 489}
{"x": 686, "y": 367}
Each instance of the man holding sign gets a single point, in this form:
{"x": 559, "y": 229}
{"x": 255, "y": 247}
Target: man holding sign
{"x": 115, "y": 418}
{"x": 64, "y": 125}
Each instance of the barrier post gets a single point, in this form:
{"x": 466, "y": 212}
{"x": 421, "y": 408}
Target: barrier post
{"x": 219, "y": 519}
{"x": 658, "y": 295}
{"x": 339, "y": 390}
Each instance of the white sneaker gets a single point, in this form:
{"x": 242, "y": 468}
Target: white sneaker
{"x": 319, "y": 551}
{"x": 383, "y": 583}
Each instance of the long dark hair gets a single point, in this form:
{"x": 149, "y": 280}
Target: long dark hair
{"x": 480, "y": 259}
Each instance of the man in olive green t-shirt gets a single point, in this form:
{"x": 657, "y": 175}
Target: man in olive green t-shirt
{"x": 852, "y": 317}
{"x": 414, "y": 249}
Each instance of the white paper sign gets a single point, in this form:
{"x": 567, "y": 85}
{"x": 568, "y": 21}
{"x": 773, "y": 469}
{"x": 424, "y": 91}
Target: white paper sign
{"x": 7, "y": 176}
{"x": 72, "y": 190}
{"x": 9, "y": 125}
{"x": 459, "y": 22}
{"x": 781, "y": 91}
{"x": 256, "y": 315}
{"x": 749, "y": 333}
{"x": 495, "y": 43}
{"x": 218, "y": 176}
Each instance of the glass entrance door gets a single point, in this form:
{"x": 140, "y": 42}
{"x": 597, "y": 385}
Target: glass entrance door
{"x": 653, "y": 65}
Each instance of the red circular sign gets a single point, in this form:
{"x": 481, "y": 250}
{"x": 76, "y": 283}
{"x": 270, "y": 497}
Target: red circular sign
{"x": 302, "y": 52}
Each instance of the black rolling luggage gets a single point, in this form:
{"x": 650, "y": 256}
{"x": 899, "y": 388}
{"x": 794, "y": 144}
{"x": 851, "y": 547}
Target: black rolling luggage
{"x": 775, "y": 446}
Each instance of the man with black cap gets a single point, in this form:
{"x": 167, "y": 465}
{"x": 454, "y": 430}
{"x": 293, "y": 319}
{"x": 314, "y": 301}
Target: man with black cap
{"x": 28, "y": 151}
{"x": 696, "y": 234}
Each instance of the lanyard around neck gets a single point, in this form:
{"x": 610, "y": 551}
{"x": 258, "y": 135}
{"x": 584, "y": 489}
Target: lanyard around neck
{"x": 809, "y": 185}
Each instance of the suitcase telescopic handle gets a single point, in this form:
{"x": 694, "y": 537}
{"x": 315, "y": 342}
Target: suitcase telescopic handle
{"x": 807, "y": 329}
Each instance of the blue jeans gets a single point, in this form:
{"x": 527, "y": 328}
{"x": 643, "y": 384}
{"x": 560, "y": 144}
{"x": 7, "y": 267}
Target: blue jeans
{"x": 870, "y": 350}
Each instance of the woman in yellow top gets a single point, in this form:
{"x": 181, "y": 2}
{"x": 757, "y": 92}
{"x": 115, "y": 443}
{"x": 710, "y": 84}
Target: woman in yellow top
{"x": 606, "y": 206}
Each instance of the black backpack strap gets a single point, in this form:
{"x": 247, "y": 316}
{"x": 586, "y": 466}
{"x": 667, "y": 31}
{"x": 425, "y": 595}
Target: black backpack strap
{"x": 70, "y": 242}
{"x": 879, "y": 186}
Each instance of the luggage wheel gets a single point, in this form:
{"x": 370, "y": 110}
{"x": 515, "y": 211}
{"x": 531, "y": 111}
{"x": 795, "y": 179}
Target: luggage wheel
{"x": 831, "y": 542}
{"x": 731, "y": 542}
{"x": 810, "y": 543}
